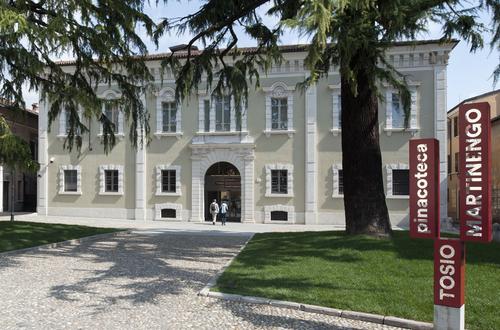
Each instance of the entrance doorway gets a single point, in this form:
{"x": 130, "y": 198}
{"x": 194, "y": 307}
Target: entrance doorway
{"x": 223, "y": 183}
{"x": 5, "y": 202}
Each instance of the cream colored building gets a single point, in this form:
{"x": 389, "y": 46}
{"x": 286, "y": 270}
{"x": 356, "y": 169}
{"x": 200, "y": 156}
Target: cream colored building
{"x": 280, "y": 163}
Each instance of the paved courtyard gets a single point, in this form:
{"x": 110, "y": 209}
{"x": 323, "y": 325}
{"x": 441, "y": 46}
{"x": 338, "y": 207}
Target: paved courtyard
{"x": 144, "y": 280}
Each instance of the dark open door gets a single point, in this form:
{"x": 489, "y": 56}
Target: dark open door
{"x": 5, "y": 201}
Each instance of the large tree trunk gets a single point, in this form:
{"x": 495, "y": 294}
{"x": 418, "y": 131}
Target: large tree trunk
{"x": 364, "y": 198}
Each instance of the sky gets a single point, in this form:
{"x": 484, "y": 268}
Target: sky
{"x": 469, "y": 74}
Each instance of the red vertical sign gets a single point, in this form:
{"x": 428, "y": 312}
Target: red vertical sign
{"x": 424, "y": 188}
{"x": 475, "y": 168}
{"x": 449, "y": 272}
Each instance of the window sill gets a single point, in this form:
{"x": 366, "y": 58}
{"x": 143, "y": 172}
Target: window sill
{"x": 73, "y": 193}
{"x": 215, "y": 133}
{"x": 337, "y": 196}
{"x": 389, "y": 131}
{"x": 159, "y": 135}
{"x": 119, "y": 136}
{"x": 175, "y": 194}
{"x": 282, "y": 222}
{"x": 279, "y": 195}
{"x": 335, "y": 131}
{"x": 108, "y": 193}
{"x": 398, "y": 197}
{"x": 289, "y": 132}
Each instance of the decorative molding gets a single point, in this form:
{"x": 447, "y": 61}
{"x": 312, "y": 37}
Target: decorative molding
{"x": 279, "y": 90}
{"x": 102, "y": 179}
{"x": 389, "y": 168}
{"x": 279, "y": 207}
{"x": 289, "y": 168}
{"x": 175, "y": 206}
{"x": 336, "y": 109}
{"x": 78, "y": 170}
{"x": 336, "y": 181}
{"x": 112, "y": 95}
{"x": 177, "y": 169}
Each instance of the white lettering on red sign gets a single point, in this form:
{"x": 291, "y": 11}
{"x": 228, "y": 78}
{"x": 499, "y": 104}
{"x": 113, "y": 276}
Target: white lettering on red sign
{"x": 422, "y": 193}
{"x": 473, "y": 172}
{"x": 446, "y": 272}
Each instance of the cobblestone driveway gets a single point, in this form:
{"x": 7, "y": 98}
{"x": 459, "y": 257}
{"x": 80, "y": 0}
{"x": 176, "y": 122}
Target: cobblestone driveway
{"x": 138, "y": 281}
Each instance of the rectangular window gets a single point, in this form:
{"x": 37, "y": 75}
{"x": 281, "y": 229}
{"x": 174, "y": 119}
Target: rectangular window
{"x": 339, "y": 123}
{"x": 449, "y": 129}
{"x": 341, "y": 182}
{"x": 279, "y": 181}
{"x": 207, "y": 115}
{"x": 400, "y": 182}
{"x": 19, "y": 190}
{"x": 168, "y": 178}
{"x": 68, "y": 120}
{"x": 456, "y": 162}
{"x": 223, "y": 113}
{"x": 279, "y": 113}
{"x": 239, "y": 114}
{"x": 449, "y": 164}
{"x": 169, "y": 110}
{"x": 112, "y": 113}
{"x": 168, "y": 213}
{"x": 398, "y": 116}
{"x": 70, "y": 180}
{"x": 279, "y": 216}
{"x": 111, "y": 180}
{"x": 455, "y": 126}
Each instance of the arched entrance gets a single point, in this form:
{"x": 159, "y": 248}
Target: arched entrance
{"x": 223, "y": 183}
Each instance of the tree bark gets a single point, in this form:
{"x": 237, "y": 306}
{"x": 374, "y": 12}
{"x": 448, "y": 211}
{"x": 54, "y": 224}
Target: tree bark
{"x": 364, "y": 198}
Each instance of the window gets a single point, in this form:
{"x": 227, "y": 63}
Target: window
{"x": 400, "y": 182}
{"x": 339, "y": 102}
{"x": 111, "y": 180}
{"x": 279, "y": 216}
{"x": 67, "y": 115}
{"x": 449, "y": 129}
{"x": 168, "y": 181}
{"x": 456, "y": 162}
{"x": 341, "y": 182}
{"x": 279, "y": 180}
{"x": 206, "y": 109}
{"x": 19, "y": 190}
{"x": 279, "y": 113}
{"x": 279, "y": 183}
{"x": 169, "y": 120}
{"x": 449, "y": 164}
{"x": 279, "y": 109}
{"x": 398, "y": 115}
{"x": 168, "y": 213}
{"x": 112, "y": 113}
{"x": 223, "y": 113}
{"x": 455, "y": 126}
{"x": 70, "y": 180}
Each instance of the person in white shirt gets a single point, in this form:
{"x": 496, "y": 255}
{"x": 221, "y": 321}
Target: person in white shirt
{"x": 214, "y": 210}
{"x": 223, "y": 212}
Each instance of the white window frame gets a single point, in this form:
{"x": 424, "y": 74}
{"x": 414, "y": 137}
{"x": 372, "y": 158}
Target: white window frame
{"x": 290, "y": 209}
{"x": 78, "y": 170}
{"x": 102, "y": 180}
{"x": 389, "y": 168}
{"x": 177, "y": 169}
{"x": 289, "y": 168}
{"x": 62, "y": 134}
{"x": 177, "y": 207}
{"x": 336, "y": 109}
{"x": 336, "y": 180}
{"x": 167, "y": 94}
{"x": 202, "y": 97}
{"x": 279, "y": 90}
{"x": 112, "y": 95}
{"x": 414, "y": 109}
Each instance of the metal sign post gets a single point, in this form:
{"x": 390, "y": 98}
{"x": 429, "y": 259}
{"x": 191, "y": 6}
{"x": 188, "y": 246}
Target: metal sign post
{"x": 475, "y": 208}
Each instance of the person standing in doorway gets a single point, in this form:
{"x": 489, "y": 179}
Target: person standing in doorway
{"x": 223, "y": 212}
{"x": 214, "y": 210}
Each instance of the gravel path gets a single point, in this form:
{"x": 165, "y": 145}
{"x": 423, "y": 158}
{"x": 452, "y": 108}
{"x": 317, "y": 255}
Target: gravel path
{"x": 138, "y": 281}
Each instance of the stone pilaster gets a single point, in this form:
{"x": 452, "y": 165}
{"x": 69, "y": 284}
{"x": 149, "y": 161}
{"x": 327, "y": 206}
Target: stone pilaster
{"x": 43, "y": 159}
{"x": 311, "y": 169}
{"x": 140, "y": 174}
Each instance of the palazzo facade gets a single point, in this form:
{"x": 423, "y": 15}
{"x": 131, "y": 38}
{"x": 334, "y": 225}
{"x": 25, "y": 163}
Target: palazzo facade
{"x": 277, "y": 159}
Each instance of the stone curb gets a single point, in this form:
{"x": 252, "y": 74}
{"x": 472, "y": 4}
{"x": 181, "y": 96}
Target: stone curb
{"x": 70, "y": 242}
{"x": 366, "y": 317}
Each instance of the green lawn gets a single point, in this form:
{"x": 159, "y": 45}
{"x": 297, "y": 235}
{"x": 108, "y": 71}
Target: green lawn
{"x": 389, "y": 277}
{"x": 19, "y": 235}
